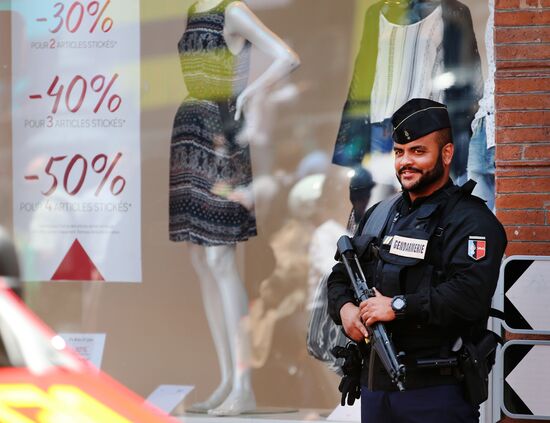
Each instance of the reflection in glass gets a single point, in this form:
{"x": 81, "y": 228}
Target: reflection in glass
{"x": 409, "y": 49}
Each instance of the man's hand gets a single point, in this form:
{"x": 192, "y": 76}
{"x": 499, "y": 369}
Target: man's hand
{"x": 376, "y": 309}
{"x": 354, "y": 328}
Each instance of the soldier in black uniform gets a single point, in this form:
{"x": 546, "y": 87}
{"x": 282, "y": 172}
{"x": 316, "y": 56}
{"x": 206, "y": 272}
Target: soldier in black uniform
{"x": 435, "y": 268}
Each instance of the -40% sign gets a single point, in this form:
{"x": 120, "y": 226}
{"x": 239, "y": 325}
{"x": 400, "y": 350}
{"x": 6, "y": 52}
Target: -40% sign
{"x": 77, "y": 169}
{"x": 71, "y": 16}
{"x": 77, "y": 90}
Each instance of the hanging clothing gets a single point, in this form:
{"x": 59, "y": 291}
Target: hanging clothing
{"x": 205, "y": 155}
{"x": 487, "y": 102}
{"x": 481, "y": 157}
{"x": 409, "y": 63}
{"x": 460, "y": 59}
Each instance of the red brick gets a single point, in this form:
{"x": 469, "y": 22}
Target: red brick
{"x": 521, "y": 65}
{"x": 523, "y": 51}
{"x": 524, "y": 217}
{"x": 528, "y": 184}
{"x": 522, "y": 336}
{"x": 521, "y": 17}
{"x": 514, "y": 135}
{"x": 537, "y": 152}
{"x": 505, "y": 171}
{"x": 539, "y": 118}
{"x": 523, "y": 73}
{"x": 522, "y": 85}
{"x": 535, "y": 34}
{"x": 528, "y": 233}
{"x": 521, "y": 164}
{"x": 528, "y": 248}
{"x": 522, "y": 101}
{"x": 521, "y": 201}
{"x": 509, "y": 152}
{"x": 515, "y": 4}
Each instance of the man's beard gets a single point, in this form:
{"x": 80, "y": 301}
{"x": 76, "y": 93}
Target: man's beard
{"x": 427, "y": 178}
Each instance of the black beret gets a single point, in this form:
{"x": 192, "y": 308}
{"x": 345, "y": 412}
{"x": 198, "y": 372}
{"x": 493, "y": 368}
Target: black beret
{"x": 361, "y": 179}
{"x": 360, "y": 185}
{"x": 418, "y": 117}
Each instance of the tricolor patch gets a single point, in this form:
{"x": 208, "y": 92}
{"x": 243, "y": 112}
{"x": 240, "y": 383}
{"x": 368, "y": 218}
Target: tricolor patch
{"x": 477, "y": 247}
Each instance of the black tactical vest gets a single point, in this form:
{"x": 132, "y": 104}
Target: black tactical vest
{"x": 406, "y": 258}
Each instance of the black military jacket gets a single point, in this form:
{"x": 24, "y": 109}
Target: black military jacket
{"x": 448, "y": 291}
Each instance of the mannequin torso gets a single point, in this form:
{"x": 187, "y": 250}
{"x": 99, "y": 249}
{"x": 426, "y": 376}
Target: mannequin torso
{"x": 242, "y": 26}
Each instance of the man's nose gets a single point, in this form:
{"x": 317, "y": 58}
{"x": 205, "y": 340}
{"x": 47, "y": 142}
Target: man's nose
{"x": 405, "y": 159}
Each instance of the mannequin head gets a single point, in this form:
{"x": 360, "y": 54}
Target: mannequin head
{"x": 407, "y": 12}
{"x": 360, "y": 188}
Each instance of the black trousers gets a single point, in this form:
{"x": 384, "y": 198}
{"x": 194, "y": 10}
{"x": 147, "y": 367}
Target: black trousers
{"x": 435, "y": 404}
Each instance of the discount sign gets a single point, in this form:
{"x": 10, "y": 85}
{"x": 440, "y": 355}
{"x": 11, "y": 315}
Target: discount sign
{"x": 76, "y": 92}
{"x": 70, "y": 16}
{"x": 82, "y": 171}
{"x": 76, "y": 139}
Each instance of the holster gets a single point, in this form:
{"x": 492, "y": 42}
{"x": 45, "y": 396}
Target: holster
{"x": 475, "y": 363}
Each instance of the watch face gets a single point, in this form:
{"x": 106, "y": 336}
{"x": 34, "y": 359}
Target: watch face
{"x": 398, "y": 303}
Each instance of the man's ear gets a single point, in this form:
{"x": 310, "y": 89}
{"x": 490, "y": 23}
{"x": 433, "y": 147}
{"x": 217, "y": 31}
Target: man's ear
{"x": 447, "y": 153}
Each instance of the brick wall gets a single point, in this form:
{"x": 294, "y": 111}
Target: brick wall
{"x": 522, "y": 49}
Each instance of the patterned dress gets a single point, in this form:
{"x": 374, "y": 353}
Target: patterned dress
{"x": 204, "y": 151}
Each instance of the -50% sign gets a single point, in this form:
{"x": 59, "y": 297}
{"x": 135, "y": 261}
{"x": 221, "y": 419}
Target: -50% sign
{"x": 74, "y": 96}
{"x": 71, "y": 16}
{"x": 74, "y": 174}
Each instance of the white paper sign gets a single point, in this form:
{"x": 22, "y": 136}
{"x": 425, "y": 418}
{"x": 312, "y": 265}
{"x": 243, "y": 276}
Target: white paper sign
{"x": 167, "y": 397}
{"x": 76, "y": 139}
{"x": 88, "y": 345}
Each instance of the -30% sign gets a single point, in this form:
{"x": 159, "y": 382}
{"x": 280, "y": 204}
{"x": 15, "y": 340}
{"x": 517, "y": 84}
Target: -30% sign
{"x": 72, "y": 15}
{"x": 75, "y": 172}
{"x": 76, "y": 91}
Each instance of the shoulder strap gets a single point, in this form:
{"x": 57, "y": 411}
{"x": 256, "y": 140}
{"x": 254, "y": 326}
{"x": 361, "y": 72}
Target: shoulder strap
{"x": 457, "y": 194}
{"x": 498, "y": 314}
{"x": 377, "y": 220}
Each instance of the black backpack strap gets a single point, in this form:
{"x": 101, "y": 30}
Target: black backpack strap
{"x": 498, "y": 314}
{"x": 377, "y": 220}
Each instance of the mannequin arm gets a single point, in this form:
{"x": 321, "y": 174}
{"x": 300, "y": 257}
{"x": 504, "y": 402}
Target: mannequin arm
{"x": 242, "y": 23}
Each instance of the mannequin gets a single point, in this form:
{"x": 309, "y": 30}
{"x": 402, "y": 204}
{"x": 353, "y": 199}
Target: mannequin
{"x": 439, "y": 33}
{"x": 406, "y": 12}
{"x": 224, "y": 295}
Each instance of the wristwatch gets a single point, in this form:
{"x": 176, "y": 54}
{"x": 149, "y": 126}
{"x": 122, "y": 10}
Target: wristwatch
{"x": 398, "y": 305}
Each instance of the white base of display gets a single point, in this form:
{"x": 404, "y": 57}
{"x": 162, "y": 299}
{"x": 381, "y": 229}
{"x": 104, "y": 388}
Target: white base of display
{"x": 271, "y": 416}
{"x": 347, "y": 413}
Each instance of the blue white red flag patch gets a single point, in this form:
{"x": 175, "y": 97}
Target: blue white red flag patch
{"x": 477, "y": 247}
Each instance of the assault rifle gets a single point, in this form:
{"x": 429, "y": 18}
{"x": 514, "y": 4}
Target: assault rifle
{"x": 378, "y": 337}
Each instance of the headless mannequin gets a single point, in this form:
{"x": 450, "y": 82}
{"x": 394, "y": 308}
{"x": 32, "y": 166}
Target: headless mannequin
{"x": 224, "y": 296}
{"x": 407, "y": 12}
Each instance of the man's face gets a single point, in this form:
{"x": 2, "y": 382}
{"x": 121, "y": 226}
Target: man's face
{"x": 422, "y": 164}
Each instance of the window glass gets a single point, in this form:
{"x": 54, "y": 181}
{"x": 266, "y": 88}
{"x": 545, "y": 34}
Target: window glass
{"x": 175, "y": 174}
